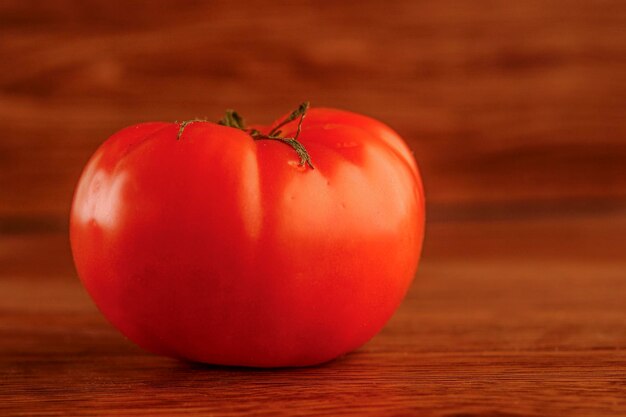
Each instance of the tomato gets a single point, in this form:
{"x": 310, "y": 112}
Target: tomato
{"x": 253, "y": 247}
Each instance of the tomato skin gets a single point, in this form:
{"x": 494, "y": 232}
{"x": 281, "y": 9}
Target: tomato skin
{"x": 221, "y": 249}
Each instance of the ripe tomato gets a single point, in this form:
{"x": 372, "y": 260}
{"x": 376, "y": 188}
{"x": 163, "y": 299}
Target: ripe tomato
{"x": 226, "y": 245}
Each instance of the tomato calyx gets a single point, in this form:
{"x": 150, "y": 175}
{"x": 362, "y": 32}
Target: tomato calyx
{"x": 234, "y": 120}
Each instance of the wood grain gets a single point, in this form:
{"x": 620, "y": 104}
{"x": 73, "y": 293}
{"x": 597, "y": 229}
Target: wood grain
{"x": 502, "y": 103}
{"x": 515, "y": 112}
{"x": 487, "y": 330}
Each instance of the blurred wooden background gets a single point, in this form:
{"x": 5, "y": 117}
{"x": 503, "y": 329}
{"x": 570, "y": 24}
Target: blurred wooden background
{"x": 516, "y": 112}
{"x": 517, "y": 106}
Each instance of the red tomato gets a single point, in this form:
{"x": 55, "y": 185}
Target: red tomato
{"x": 219, "y": 248}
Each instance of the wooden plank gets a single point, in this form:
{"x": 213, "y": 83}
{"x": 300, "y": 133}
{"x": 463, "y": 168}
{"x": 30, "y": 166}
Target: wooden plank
{"x": 502, "y": 103}
{"x": 494, "y": 325}
{"x": 515, "y": 111}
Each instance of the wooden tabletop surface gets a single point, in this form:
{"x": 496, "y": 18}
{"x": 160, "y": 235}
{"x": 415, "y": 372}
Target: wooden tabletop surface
{"x": 514, "y": 109}
{"x": 508, "y": 318}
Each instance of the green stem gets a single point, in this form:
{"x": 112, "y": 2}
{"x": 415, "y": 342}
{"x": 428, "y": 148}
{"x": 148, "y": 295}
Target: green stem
{"x": 234, "y": 120}
{"x": 299, "y": 112}
{"x": 184, "y": 124}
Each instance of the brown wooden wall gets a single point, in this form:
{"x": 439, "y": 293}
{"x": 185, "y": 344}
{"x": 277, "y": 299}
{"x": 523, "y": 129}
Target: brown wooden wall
{"x": 513, "y": 108}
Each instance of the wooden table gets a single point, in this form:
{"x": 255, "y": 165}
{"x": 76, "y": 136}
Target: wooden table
{"x": 515, "y": 111}
{"x": 514, "y": 317}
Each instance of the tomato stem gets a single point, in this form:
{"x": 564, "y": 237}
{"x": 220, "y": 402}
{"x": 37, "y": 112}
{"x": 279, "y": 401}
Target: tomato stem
{"x": 233, "y": 119}
{"x": 299, "y": 112}
{"x": 184, "y": 124}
